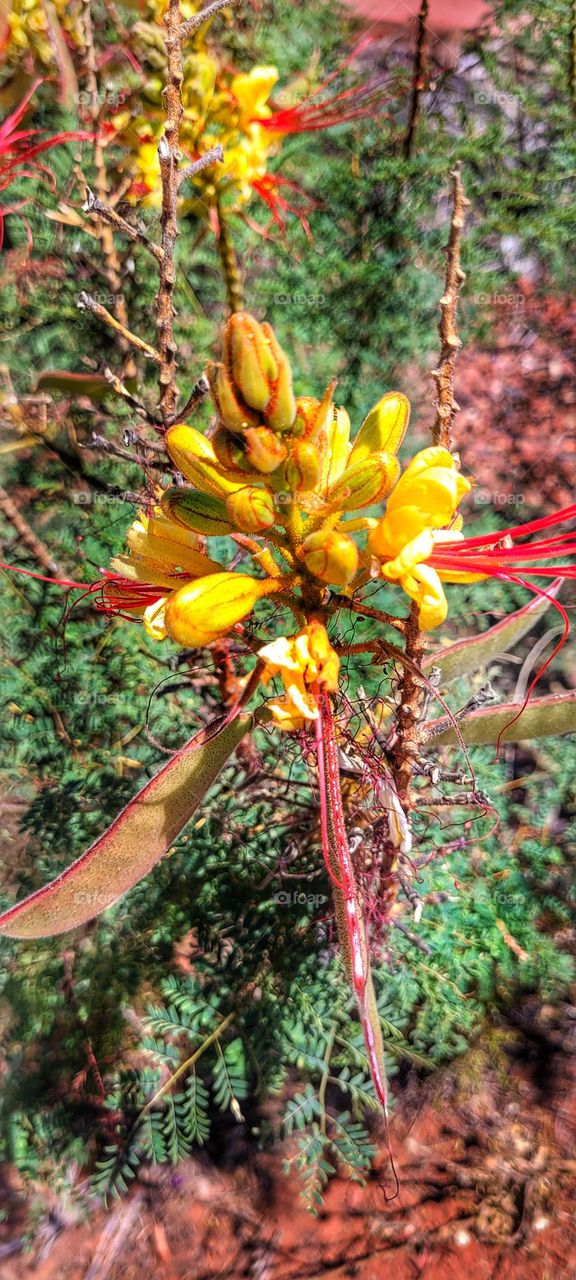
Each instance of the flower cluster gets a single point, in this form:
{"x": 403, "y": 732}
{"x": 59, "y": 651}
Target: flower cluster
{"x": 278, "y": 475}
{"x": 38, "y": 32}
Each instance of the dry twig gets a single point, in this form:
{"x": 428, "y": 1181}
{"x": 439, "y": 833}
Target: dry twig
{"x": 169, "y": 156}
{"x": 446, "y": 405}
{"x": 418, "y": 79}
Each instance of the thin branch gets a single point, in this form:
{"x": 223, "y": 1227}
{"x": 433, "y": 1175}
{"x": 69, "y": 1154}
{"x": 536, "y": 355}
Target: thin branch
{"x": 197, "y": 394}
{"x": 113, "y": 219}
{"x": 112, "y": 267}
{"x": 169, "y": 156}
{"x": 446, "y": 405}
{"x": 213, "y": 156}
{"x": 88, "y": 303}
{"x": 120, "y": 390}
{"x": 418, "y": 81}
{"x": 26, "y": 534}
{"x": 192, "y": 24}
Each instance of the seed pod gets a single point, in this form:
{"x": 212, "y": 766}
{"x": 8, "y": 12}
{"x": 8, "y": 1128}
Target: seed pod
{"x": 365, "y": 482}
{"x": 251, "y": 509}
{"x": 198, "y": 511}
{"x": 207, "y": 609}
{"x": 303, "y": 468}
{"x": 330, "y": 556}
{"x": 383, "y": 430}
{"x": 264, "y": 451}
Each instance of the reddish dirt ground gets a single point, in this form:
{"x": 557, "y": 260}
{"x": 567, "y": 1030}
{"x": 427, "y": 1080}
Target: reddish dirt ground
{"x": 484, "y": 1154}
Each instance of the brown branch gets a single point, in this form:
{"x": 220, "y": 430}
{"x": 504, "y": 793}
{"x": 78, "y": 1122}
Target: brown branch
{"x": 446, "y": 405}
{"x": 169, "y": 156}
{"x": 192, "y": 24}
{"x": 418, "y": 81}
{"x": 27, "y": 535}
{"x": 112, "y": 267}
{"x": 88, "y": 303}
{"x": 213, "y": 156}
{"x": 410, "y": 695}
{"x": 114, "y": 220}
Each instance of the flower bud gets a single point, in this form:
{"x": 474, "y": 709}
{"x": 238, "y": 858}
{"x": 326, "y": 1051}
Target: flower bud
{"x": 336, "y": 448}
{"x": 365, "y": 482}
{"x": 330, "y": 556}
{"x": 198, "y": 511}
{"x": 383, "y": 430}
{"x": 232, "y": 411}
{"x": 312, "y": 416}
{"x": 251, "y": 509}
{"x": 207, "y": 609}
{"x": 194, "y": 456}
{"x": 251, "y": 361}
{"x": 231, "y": 452}
{"x": 264, "y": 451}
{"x": 304, "y": 466}
{"x": 281, "y": 410}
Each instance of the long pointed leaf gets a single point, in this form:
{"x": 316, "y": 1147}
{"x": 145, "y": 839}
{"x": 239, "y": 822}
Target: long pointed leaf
{"x": 542, "y": 718}
{"x": 131, "y": 846}
{"x": 476, "y": 651}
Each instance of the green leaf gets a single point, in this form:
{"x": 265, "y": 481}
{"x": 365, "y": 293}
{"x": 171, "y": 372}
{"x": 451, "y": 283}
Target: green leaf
{"x": 542, "y": 718}
{"x": 132, "y": 845}
{"x": 477, "y": 651}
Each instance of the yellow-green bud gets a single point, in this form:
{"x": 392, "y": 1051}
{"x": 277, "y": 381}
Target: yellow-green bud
{"x": 281, "y": 410}
{"x": 383, "y": 429}
{"x": 207, "y": 609}
{"x": 198, "y": 511}
{"x": 251, "y": 510}
{"x": 230, "y": 451}
{"x": 330, "y": 556}
{"x": 251, "y": 362}
{"x": 264, "y": 450}
{"x": 304, "y": 466}
{"x": 194, "y": 456}
{"x": 232, "y": 410}
{"x": 365, "y": 482}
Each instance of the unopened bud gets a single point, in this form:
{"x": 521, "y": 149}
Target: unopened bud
{"x": 194, "y": 456}
{"x": 264, "y": 450}
{"x": 330, "y": 556}
{"x": 231, "y": 409}
{"x": 251, "y": 510}
{"x": 337, "y": 446}
{"x": 281, "y": 410}
{"x": 230, "y": 451}
{"x": 365, "y": 482}
{"x": 201, "y": 512}
{"x": 304, "y": 466}
{"x": 252, "y": 365}
{"x": 383, "y": 429}
{"x": 207, "y": 609}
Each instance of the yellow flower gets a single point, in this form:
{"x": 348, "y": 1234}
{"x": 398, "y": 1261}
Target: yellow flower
{"x": 301, "y": 661}
{"x": 252, "y": 90}
{"x": 422, "y": 504}
{"x": 161, "y": 554}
